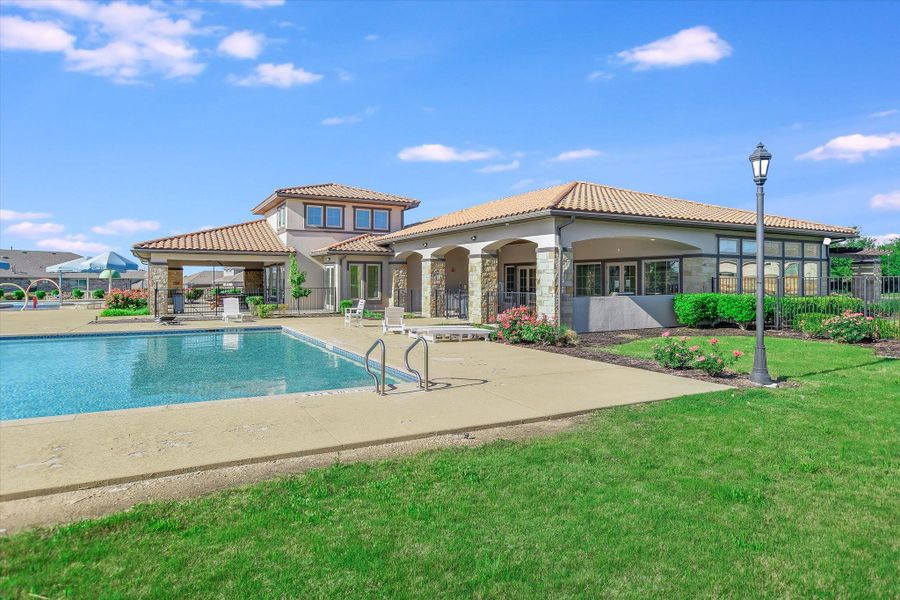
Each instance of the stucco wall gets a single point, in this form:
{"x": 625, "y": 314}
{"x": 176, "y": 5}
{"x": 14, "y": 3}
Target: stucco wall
{"x": 615, "y": 313}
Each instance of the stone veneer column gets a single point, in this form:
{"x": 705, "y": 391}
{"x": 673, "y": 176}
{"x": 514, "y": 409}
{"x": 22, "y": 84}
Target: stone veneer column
{"x": 253, "y": 280}
{"x": 482, "y": 287}
{"x": 566, "y": 310}
{"x": 434, "y": 282}
{"x": 697, "y": 273}
{"x": 547, "y": 282}
{"x": 398, "y": 282}
{"x": 158, "y": 280}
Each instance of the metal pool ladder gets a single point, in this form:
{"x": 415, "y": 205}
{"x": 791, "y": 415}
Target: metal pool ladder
{"x": 378, "y": 342}
{"x": 409, "y": 367}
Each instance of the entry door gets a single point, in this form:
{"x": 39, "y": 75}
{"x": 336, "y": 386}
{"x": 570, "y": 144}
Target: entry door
{"x": 527, "y": 279}
{"x": 621, "y": 279}
{"x": 330, "y": 287}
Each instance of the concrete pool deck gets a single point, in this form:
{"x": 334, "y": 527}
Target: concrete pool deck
{"x": 477, "y": 385}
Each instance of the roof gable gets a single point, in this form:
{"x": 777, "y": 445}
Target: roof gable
{"x": 360, "y": 244}
{"x": 334, "y": 191}
{"x": 253, "y": 236}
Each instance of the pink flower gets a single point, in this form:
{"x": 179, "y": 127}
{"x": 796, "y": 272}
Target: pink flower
{"x": 683, "y": 338}
{"x": 869, "y": 318}
{"x": 666, "y": 333}
{"x": 694, "y": 348}
{"x": 713, "y": 341}
{"x": 737, "y": 353}
{"x": 719, "y": 360}
{"x": 701, "y": 359}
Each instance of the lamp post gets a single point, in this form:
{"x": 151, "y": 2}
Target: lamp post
{"x": 760, "y": 162}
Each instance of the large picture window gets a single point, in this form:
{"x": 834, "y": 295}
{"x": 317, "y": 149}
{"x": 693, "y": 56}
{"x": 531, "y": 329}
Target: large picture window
{"x": 314, "y": 216}
{"x": 799, "y": 263}
{"x": 662, "y": 276}
{"x": 589, "y": 279}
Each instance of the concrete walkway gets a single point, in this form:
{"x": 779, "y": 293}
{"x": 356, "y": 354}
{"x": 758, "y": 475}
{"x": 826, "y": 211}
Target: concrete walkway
{"x": 478, "y": 385}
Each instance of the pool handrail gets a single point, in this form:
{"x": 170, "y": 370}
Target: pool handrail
{"x": 409, "y": 367}
{"x": 378, "y": 342}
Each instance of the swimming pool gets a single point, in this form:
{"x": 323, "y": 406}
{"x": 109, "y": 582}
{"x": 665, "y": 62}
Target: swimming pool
{"x": 89, "y": 373}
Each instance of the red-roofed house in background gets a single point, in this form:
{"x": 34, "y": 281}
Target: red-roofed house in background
{"x": 595, "y": 257}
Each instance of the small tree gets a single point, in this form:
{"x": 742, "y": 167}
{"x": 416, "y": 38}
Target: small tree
{"x": 841, "y": 266}
{"x": 297, "y": 278}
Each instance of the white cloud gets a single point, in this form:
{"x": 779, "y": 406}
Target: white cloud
{"x": 575, "y": 155}
{"x": 73, "y": 243}
{"x": 884, "y": 113}
{"x": 511, "y": 166}
{"x": 123, "y": 41}
{"x": 30, "y": 229}
{"x": 282, "y": 76}
{"x": 38, "y": 36}
{"x": 372, "y": 37}
{"x": 350, "y": 119}
{"x": 888, "y": 201}
{"x": 257, "y": 3}
{"x": 125, "y": 227}
{"x": 442, "y": 153}
{"x": 14, "y": 215}
{"x": 346, "y": 76}
{"x": 887, "y": 238}
{"x": 242, "y": 44}
{"x": 688, "y": 46}
{"x": 853, "y": 148}
{"x": 599, "y": 76}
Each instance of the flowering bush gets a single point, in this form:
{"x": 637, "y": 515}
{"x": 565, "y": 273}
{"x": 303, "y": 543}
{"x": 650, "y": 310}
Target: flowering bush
{"x": 520, "y": 326}
{"x": 127, "y": 299}
{"x": 850, "y": 327}
{"x": 675, "y": 353}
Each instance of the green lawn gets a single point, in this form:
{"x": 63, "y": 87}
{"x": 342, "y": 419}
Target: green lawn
{"x": 744, "y": 493}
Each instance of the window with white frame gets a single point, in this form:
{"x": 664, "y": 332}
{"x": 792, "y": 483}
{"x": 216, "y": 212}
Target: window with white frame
{"x": 662, "y": 276}
{"x": 589, "y": 279}
{"x": 314, "y": 216}
{"x": 381, "y": 220}
{"x": 334, "y": 217}
{"x": 281, "y": 217}
{"x": 362, "y": 218}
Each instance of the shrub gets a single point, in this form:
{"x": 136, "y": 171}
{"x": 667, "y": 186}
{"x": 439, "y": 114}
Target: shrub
{"x": 98, "y": 293}
{"x": 77, "y": 293}
{"x": 345, "y": 304}
{"x": 127, "y": 299}
{"x": 54, "y": 292}
{"x": 297, "y": 278}
{"x": 193, "y": 294}
{"x": 850, "y": 327}
{"x": 9, "y": 296}
{"x": 265, "y": 310}
{"x": 886, "y": 328}
{"x": 520, "y": 326}
{"x": 838, "y": 303}
{"x": 40, "y": 294}
{"x": 810, "y": 324}
{"x": 124, "y": 312}
{"x": 741, "y": 308}
{"x": 679, "y": 353}
{"x": 216, "y": 291}
{"x": 696, "y": 309}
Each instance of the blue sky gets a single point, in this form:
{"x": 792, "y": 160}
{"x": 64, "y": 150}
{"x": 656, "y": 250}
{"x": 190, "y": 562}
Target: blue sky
{"x": 124, "y": 121}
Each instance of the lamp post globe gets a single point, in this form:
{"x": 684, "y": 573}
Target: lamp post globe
{"x": 760, "y": 160}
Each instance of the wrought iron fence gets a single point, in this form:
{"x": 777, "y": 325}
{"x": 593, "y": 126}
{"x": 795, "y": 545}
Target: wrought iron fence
{"x": 450, "y": 303}
{"x": 209, "y": 302}
{"x": 409, "y": 299}
{"x": 494, "y": 303}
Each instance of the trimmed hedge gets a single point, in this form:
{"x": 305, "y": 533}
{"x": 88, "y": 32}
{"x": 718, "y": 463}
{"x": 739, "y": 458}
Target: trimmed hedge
{"x": 124, "y": 312}
{"x": 696, "y": 309}
{"x": 810, "y": 323}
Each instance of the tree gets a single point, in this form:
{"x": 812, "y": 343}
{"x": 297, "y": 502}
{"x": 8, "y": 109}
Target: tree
{"x": 841, "y": 266}
{"x": 297, "y": 278}
{"x": 890, "y": 263}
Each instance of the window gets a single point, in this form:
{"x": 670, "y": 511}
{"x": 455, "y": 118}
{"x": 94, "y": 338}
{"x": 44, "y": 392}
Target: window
{"x": 728, "y": 246}
{"x": 589, "y": 279}
{"x": 527, "y": 279}
{"x": 510, "y": 278}
{"x": 355, "y": 281}
{"x": 810, "y": 278}
{"x": 381, "y": 220}
{"x": 334, "y": 217}
{"x": 373, "y": 282}
{"x": 792, "y": 249}
{"x": 812, "y": 250}
{"x": 748, "y": 246}
{"x": 773, "y": 248}
{"x": 728, "y": 276}
{"x": 791, "y": 278}
{"x": 362, "y": 218}
{"x": 314, "y": 216}
{"x": 281, "y": 217}
{"x": 661, "y": 276}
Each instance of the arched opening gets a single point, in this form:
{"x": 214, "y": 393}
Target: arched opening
{"x": 516, "y": 273}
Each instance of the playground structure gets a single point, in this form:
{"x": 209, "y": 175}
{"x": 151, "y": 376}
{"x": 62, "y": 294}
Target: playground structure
{"x": 31, "y": 284}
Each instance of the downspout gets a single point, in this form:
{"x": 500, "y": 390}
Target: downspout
{"x": 559, "y": 268}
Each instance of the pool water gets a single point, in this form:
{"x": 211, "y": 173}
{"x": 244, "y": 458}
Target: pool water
{"x": 70, "y": 375}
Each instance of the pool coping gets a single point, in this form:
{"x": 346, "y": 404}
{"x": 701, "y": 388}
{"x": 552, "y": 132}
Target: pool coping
{"x": 394, "y": 372}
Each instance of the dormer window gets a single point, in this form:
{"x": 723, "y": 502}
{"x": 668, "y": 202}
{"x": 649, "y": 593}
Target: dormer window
{"x": 281, "y": 217}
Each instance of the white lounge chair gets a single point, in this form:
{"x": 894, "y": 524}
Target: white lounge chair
{"x": 355, "y": 312}
{"x": 393, "y": 320}
{"x": 231, "y": 309}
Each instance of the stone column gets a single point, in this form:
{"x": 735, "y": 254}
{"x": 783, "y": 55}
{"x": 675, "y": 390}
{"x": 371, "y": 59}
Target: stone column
{"x": 398, "y": 284}
{"x": 566, "y": 309}
{"x": 176, "y": 277}
{"x": 547, "y": 282}
{"x": 157, "y": 288}
{"x": 253, "y": 280}
{"x": 434, "y": 283}
{"x": 482, "y": 287}
{"x": 697, "y": 273}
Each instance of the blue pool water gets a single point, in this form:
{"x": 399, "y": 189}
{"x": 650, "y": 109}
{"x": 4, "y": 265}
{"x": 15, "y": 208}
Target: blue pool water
{"x": 86, "y": 374}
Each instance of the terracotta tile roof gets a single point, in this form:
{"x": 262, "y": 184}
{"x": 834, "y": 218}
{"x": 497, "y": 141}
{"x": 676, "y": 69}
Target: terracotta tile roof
{"x": 253, "y": 236}
{"x": 360, "y": 244}
{"x": 334, "y": 191}
{"x": 580, "y": 196}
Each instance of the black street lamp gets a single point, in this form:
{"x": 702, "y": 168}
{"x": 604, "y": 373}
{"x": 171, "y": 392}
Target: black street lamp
{"x": 760, "y": 161}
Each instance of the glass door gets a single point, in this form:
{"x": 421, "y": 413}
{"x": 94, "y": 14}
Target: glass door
{"x": 621, "y": 279}
{"x": 527, "y": 279}
{"x": 330, "y": 287}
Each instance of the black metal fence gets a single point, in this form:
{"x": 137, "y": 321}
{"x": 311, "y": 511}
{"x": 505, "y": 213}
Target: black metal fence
{"x": 450, "y": 304}
{"x": 210, "y": 302}
{"x": 409, "y": 299}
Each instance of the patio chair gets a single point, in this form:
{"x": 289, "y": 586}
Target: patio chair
{"x": 355, "y": 312}
{"x": 231, "y": 309}
{"x": 393, "y": 320}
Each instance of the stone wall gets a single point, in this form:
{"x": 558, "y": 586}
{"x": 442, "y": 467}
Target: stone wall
{"x": 398, "y": 281}
{"x": 158, "y": 278}
{"x": 482, "y": 281}
{"x": 433, "y": 285}
{"x": 547, "y": 282}
{"x": 254, "y": 280}
{"x": 698, "y": 272}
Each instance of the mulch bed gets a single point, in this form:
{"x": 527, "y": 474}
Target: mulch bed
{"x": 593, "y": 346}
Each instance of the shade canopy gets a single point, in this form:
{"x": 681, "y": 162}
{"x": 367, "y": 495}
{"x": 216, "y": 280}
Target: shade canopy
{"x": 109, "y": 260}
{"x": 110, "y": 274}
{"x": 76, "y": 265}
